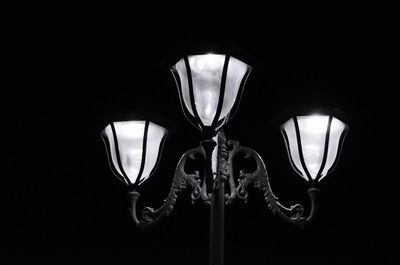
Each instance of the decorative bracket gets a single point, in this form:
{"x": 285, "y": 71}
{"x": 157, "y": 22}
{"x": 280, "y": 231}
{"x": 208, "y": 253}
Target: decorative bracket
{"x": 181, "y": 181}
{"x": 199, "y": 186}
{"x": 259, "y": 179}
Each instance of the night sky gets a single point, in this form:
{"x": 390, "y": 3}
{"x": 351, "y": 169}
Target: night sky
{"x": 74, "y": 75}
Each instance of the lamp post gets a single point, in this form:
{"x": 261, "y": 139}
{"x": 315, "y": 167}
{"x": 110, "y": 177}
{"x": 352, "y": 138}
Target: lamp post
{"x": 210, "y": 87}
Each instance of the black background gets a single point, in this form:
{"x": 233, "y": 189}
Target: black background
{"x": 73, "y": 74}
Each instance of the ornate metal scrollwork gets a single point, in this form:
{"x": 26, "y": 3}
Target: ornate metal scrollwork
{"x": 259, "y": 179}
{"x": 200, "y": 185}
{"x": 181, "y": 181}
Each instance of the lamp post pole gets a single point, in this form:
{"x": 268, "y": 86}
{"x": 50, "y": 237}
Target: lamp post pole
{"x": 217, "y": 199}
{"x": 217, "y": 225}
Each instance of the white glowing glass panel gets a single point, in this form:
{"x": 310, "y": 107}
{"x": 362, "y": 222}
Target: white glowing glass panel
{"x": 155, "y": 134}
{"x": 182, "y": 72}
{"x": 234, "y": 76}
{"x": 336, "y": 131}
{"x": 292, "y": 146}
{"x": 206, "y": 73}
{"x": 313, "y": 134}
{"x": 130, "y": 136}
{"x": 111, "y": 146}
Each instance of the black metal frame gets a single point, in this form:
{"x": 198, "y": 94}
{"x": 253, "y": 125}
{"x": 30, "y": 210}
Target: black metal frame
{"x": 194, "y": 119}
{"x": 297, "y": 170}
{"x": 109, "y": 159}
{"x": 300, "y": 149}
{"x": 339, "y": 152}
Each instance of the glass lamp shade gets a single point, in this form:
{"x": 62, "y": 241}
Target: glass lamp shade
{"x": 133, "y": 149}
{"x": 313, "y": 144}
{"x": 209, "y": 88}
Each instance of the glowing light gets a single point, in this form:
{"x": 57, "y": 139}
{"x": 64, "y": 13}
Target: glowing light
{"x": 208, "y": 62}
{"x": 206, "y": 75}
{"x": 131, "y": 129}
{"x": 312, "y": 132}
{"x": 314, "y": 124}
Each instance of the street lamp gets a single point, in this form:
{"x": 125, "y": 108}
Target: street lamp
{"x": 210, "y": 87}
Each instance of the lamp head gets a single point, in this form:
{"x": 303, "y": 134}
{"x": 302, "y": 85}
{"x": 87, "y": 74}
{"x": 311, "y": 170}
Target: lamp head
{"x": 133, "y": 149}
{"x": 210, "y": 87}
{"x": 314, "y": 143}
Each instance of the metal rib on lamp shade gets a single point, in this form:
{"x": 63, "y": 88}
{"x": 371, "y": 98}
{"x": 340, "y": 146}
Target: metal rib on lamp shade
{"x": 133, "y": 149}
{"x": 210, "y": 87}
{"x": 313, "y": 144}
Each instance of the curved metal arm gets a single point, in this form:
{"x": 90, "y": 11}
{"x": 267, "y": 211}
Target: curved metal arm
{"x": 181, "y": 181}
{"x": 232, "y": 186}
{"x": 259, "y": 178}
{"x": 313, "y": 193}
